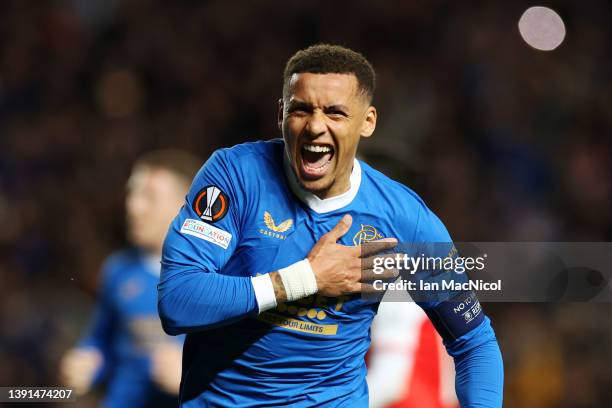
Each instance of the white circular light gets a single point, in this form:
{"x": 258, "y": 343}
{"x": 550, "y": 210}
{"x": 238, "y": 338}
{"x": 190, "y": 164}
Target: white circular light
{"x": 542, "y": 28}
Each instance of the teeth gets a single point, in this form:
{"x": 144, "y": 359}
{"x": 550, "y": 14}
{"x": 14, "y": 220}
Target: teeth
{"x": 317, "y": 149}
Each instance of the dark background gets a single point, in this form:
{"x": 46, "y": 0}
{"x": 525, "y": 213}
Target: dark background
{"x": 504, "y": 143}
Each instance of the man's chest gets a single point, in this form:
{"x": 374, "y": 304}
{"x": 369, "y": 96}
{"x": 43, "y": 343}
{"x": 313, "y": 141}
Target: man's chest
{"x": 278, "y": 233}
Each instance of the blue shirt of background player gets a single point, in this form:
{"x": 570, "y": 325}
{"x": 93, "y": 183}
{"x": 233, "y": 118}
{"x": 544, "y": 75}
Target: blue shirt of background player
{"x": 305, "y": 353}
{"x": 125, "y": 328}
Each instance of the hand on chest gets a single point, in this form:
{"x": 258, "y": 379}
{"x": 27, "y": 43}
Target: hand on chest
{"x": 277, "y": 237}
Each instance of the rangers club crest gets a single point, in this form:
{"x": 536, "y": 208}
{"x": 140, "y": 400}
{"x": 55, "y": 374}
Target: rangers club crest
{"x": 367, "y": 233}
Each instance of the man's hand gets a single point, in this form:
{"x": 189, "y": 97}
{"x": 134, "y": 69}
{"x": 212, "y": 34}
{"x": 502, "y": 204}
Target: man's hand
{"x": 166, "y": 362}
{"x": 341, "y": 269}
{"x": 78, "y": 368}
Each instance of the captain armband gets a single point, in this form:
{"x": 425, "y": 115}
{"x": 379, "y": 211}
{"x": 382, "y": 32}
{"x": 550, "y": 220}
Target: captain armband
{"x": 456, "y": 317}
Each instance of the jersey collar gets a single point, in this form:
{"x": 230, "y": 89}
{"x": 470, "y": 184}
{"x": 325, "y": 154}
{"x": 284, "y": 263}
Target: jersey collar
{"x": 323, "y": 205}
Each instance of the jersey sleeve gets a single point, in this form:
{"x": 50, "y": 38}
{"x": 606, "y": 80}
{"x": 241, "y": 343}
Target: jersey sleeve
{"x": 192, "y": 294}
{"x": 472, "y": 344}
{"x": 103, "y": 323}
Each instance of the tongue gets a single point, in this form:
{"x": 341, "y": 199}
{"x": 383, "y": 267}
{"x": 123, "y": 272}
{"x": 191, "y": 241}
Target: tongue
{"x": 312, "y": 159}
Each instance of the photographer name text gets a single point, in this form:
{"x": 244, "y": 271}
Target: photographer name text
{"x": 403, "y": 284}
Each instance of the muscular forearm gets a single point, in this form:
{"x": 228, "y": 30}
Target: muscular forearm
{"x": 279, "y": 289}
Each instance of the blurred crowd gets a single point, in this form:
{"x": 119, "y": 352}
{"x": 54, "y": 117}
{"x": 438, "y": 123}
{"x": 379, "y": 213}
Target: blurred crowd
{"x": 503, "y": 142}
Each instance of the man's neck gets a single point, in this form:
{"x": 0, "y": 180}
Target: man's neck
{"x": 339, "y": 187}
{"x": 333, "y": 199}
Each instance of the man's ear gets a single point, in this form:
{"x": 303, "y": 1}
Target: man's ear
{"x": 279, "y": 119}
{"x": 369, "y": 122}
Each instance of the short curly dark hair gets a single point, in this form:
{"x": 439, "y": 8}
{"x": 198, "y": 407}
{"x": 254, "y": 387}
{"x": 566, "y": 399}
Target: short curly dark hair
{"x": 332, "y": 59}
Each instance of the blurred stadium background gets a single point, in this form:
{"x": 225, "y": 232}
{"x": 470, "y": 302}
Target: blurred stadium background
{"x": 504, "y": 142}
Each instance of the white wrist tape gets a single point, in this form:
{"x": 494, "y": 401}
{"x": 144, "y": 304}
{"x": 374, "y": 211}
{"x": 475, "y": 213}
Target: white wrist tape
{"x": 299, "y": 280}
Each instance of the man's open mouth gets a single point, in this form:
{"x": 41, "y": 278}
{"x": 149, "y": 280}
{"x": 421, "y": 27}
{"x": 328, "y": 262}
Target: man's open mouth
{"x": 316, "y": 160}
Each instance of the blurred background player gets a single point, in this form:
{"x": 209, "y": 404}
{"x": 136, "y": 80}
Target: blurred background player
{"x": 407, "y": 364}
{"x": 125, "y": 343}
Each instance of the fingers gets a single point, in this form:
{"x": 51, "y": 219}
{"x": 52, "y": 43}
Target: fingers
{"x": 365, "y": 288}
{"x": 79, "y": 367}
{"x": 377, "y": 261}
{"x": 374, "y": 247}
{"x": 368, "y": 289}
{"x": 341, "y": 228}
{"x": 369, "y": 275}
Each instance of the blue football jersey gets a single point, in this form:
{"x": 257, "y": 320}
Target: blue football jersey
{"x": 125, "y": 328}
{"x": 246, "y": 215}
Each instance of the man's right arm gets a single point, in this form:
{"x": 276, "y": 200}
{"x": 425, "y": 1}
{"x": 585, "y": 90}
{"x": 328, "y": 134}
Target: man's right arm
{"x": 193, "y": 296}
{"x": 193, "y": 299}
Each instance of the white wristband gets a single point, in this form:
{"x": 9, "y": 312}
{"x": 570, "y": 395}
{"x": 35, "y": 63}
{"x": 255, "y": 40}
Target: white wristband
{"x": 264, "y": 292}
{"x": 299, "y": 280}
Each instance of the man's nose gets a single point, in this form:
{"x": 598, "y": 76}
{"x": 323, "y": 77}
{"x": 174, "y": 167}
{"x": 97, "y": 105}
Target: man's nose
{"x": 316, "y": 125}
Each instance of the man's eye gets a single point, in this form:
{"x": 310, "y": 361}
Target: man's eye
{"x": 336, "y": 113}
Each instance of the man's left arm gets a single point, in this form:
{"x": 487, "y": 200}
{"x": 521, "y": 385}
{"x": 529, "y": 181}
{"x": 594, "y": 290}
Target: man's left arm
{"x": 479, "y": 368}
